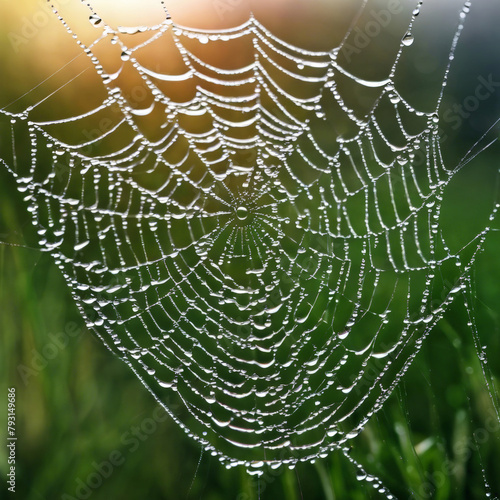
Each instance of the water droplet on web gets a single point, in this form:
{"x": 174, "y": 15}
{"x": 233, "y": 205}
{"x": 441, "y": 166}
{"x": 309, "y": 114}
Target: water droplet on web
{"x": 125, "y": 55}
{"x": 343, "y": 335}
{"x": 408, "y": 40}
{"x": 132, "y": 30}
{"x": 135, "y": 353}
{"x": 203, "y": 39}
{"x": 394, "y": 98}
{"x": 242, "y": 213}
{"x": 352, "y": 434}
{"x": 361, "y": 475}
{"x": 95, "y": 20}
{"x": 166, "y": 385}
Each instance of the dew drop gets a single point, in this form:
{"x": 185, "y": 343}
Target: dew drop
{"x": 361, "y": 475}
{"x": 166, "y": 385}
{"x": 95, "y": 20}
{"x": 408, "y": 40}
{"x": 343, "y": 335}
{"x": 242, "y": 213}
{"x": 394, "y": 98}
{"x": 132, "y": 30}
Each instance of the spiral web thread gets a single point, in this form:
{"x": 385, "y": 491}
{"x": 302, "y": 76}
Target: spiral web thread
{"x": 271, "y": 276}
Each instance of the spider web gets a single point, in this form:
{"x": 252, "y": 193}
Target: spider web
{"x": 256, "y": 249}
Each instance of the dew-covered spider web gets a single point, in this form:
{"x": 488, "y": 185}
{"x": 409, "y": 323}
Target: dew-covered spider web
{"x": 251, "y": 226}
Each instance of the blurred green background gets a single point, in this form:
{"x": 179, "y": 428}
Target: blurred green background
{"x": 435, "y": 438}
